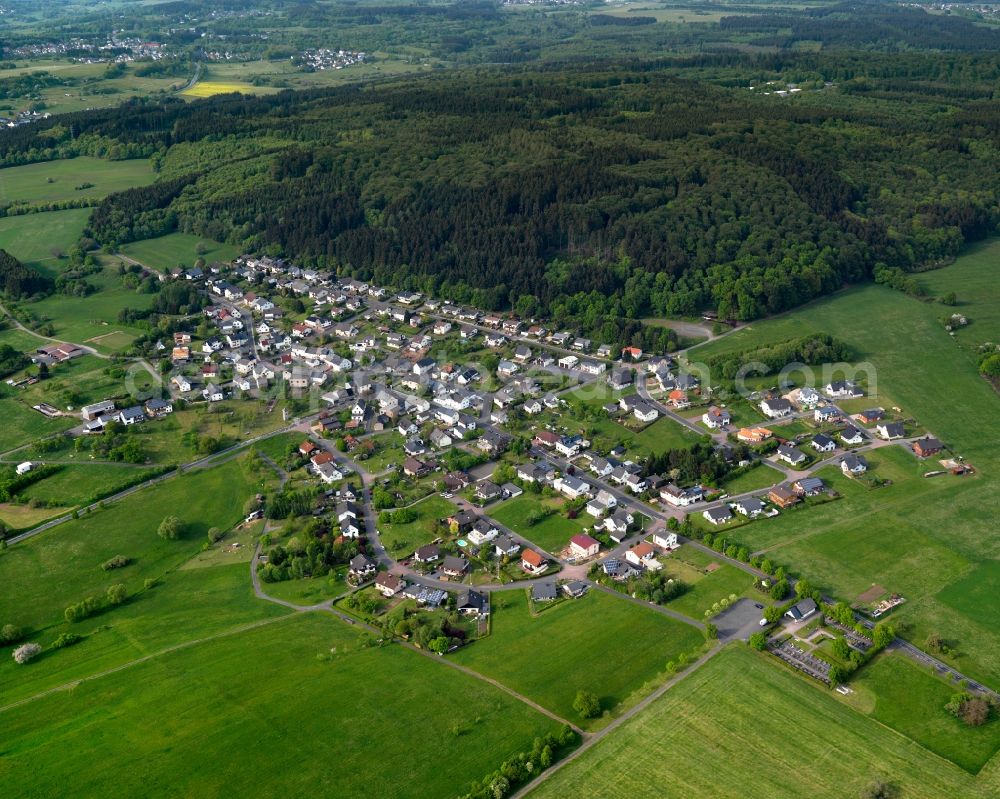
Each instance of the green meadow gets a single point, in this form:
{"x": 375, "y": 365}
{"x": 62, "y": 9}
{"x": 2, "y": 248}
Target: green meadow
{"x": 68, "y": 179}
{"x": 319, "y": 713}
{"x": 178, "y": 249}
{"x": 599, "y": 643}
{"x": 743, "y": 727}
{"x": 553, "y": 532}
{"x": 400, "y": 540}
{"x": 897, "y": 692}
{"x": 63, "y": 565}
{"x": 39, "y": 239}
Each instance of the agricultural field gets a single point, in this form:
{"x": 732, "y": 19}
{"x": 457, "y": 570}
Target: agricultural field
{"x": 20, "y": 340}
{"x": 67, "y": 179}
{"x": 210, "y": 88}
{"x": 24, "y": 517}
{"x": 81, "y": 483}
{"x": 897, "y": 692}
{"x": 564, "y": 649}
{"x": 39, "y": 239}
{"x": 553, "y": 532}
{"x": 275, "y": 740}
{"x": 186, "y": 604}
{"x": 975, "y": 279}
{"x": 743, "y": 727}
{"x": 177, "y": 249}
{"x": 400, "y": 540}
{"x": 63, "y": 565}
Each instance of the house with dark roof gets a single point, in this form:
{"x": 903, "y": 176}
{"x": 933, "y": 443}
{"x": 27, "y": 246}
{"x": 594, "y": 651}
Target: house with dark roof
{"x": 543, "y": 592}
{"x": 802, "y": 610}
{"x": 472, "y": 603}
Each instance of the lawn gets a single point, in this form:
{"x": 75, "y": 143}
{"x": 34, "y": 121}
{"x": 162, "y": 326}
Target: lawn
{"x": 32, "y": 238}
{"x": 758, "y": 477}
{"x": 49, "y": 181}
{"x": 22, "y": 425}
{"x": 567, "y": 649}
{"x": 400, "y": 540}
{"x": 741, "y": 727}
{"x": 45, "y": 574}
{"x": 178, "y": 249}
{"x": 712, "y": 587}
{"x": 911, "y": 700}
{"x": 553, "y": 532}
{"x": 82, "y": 483}
{"x": 201, "y": 723}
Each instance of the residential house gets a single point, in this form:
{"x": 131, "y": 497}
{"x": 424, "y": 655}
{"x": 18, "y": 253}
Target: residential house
{"x": 853, "y": 464}
{"x": 644, "y": 554}
{"x": 584, "y": 546}
{"x": 665, "y": 539}
{"x": 472, "y": 603}
{"x": 791, "y": 455}
{"x": 776, "y": 407}
{"x": 843, "y": 389}
{"x": 719, "y": 515}
{"x": 753, "y": 435}
{"x": 823, "y": 443}
{"x": 454, "y": 566}
{"x": 927, "y": 446}
{"x": 751, "y": 507}
{"x": 362, "y": 567}
{"x": 802, "y": 610}
{"x": 852, "y": 436}
{"x": 890, "y": 430}
{"x": 487, "y": 491}
{"x": 716, "y": 418}
{"x": 532, "y": 562}
{"x": 505, "y": 546}
{"x": 543, "y": 592}
{"x": 826, "y": 414}
{"x": 427, "y": 554}
{"x": 784, "y": 496}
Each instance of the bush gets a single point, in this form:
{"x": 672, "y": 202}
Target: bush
{"x": 117, "y": 562}
{"x": 170, "y": 528}
{"x": 10, "y": 634}
{"x": 758, "y": 641}
{"x": 117, "y": 594}
{"x": 83, "y": 609}
{"x": 26, "y": 652}
{"x": 215, "y": 535}
{"x": 66, "y": 639}
{"x": 587, "y": 704}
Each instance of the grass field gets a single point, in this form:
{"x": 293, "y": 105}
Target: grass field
{"x": 22, "y": 425}
{"x": 44, "y": 575}
{"x": 76, "y": 484}
{"x": 202, "y": 723}
{"x": 89, "y": 319}
{"x": 185, "y": 605}
{"x": 741, "y": 727}
{"x": 710, "y": 588}
{"x": 24, "y": 517}
{"x": 568, "y": 648}
{"x": 976, "y": 594}
{"x": 20, "y": 340}
{"x": 758, "y": 477}
{"x": 58, "y": 180}
{"x": 32, "y": 238}
{"x": 177, "y": 249}
{"x": 400, "y": 540}
{"x": 553, "y": 532}
{"x": 909, "y": 699}
{"x": 975, "y": 279}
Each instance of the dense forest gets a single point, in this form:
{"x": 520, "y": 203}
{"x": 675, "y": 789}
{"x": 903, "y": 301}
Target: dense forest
{"x": 594, "y": 194}
{"x": 18, "y": 280}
